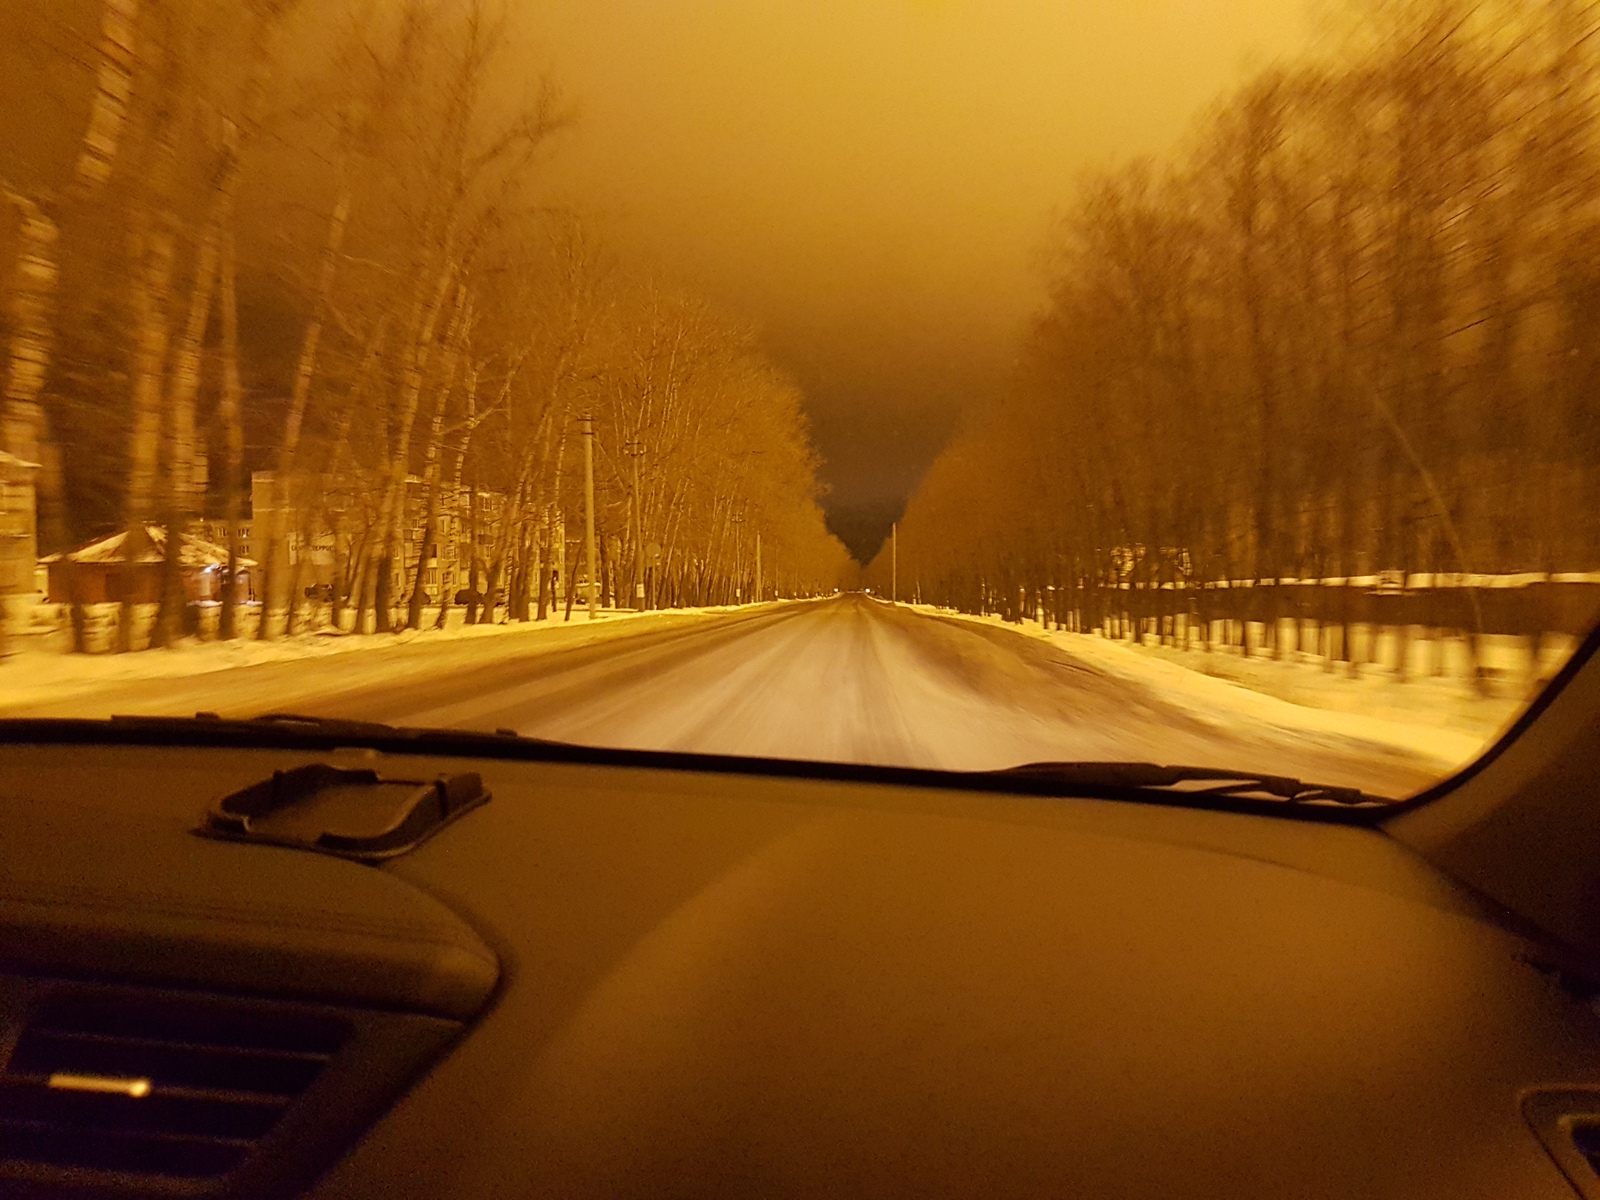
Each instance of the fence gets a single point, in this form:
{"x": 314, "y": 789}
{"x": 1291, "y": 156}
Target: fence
{"x": 1351, "y": 621}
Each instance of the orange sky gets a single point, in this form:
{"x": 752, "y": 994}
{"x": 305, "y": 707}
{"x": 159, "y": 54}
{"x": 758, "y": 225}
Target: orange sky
{"x": 868, "y": 179}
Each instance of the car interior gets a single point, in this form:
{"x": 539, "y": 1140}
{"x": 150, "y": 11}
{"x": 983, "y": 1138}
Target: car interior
{"x": 815, "y": 598}
{"x": 318, "y": 958}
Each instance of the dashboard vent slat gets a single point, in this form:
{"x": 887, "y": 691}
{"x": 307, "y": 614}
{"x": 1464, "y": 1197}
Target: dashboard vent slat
{"x": 154, "y": 1084}
{"x": 110, "y": 1150}
{"x": 232, "y": 1067}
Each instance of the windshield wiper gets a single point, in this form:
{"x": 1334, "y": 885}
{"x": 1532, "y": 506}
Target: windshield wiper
{"x": 1185, "y": 782}
{"x": 1212, "y": 787}
{"x": 286, "y": 720}
{"x": 313, "y": 726}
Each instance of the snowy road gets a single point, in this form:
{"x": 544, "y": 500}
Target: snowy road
{"x": 846, "y": 678}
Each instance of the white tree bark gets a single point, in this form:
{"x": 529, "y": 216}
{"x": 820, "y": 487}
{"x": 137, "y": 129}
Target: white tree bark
{"x": 32, "y": 290}
{"x": 113, "y": 94}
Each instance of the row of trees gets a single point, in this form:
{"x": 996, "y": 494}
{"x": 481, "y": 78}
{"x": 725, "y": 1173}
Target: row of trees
{"x": 1353, "y": 331}
{"x": 308, "y": 240}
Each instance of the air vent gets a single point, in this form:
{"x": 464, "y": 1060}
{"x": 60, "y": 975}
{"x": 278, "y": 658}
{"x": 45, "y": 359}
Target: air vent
{"x": 154, "y": 1084}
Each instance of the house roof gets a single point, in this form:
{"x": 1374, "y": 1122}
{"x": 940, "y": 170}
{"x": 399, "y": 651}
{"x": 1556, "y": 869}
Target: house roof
{"x": 194, "y": 552}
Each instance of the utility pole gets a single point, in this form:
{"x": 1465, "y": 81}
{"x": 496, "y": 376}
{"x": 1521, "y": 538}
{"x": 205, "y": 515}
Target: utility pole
{"x": 588, "y": 509}
{"x": 894, "y": 563}
{"x": 758, "y": 566}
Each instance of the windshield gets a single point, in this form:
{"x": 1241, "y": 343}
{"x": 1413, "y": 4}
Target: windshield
{"x": 911, "y": 382}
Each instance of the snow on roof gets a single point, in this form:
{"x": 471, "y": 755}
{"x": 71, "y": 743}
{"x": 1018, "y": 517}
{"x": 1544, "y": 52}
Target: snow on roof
{"x": 11, "y": 460}
{"x": 195, "y": 552}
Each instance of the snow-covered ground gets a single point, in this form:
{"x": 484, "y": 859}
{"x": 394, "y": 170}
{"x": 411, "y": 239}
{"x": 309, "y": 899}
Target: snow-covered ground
{"x": 1436, "y": 716}
{"x": 854, "y": 681}
{"x": 39, "y": 674}
{"x": 848, "y": 679}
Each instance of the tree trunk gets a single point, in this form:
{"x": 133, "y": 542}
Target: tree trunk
{"x": 383, "y": 595}
{"x": 155, "y": 243}
{"x": 491, "y": 598}
{"x": 340, "y": 583}
{"x": 296, "y": 601}
{"x": 185, "y": 385}
{"x": 418, "y": 349}
{"x": 113, "y": 88}
{"x": 433, "y": 472}
{"x": 546, "y": 567}
{"x": 569, "y": 571}
{"x": 305, "y": 369}
{"x": 430, "y": 535}
{"x": 446, "y": 597}
{"x": 474, "y": 564}
{"x": 229, "y": 415}
{"x": 32, "y": 289}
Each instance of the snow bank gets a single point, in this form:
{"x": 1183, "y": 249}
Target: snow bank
{"x": 1439, "y": 719}
{"x": 36, "y": 676}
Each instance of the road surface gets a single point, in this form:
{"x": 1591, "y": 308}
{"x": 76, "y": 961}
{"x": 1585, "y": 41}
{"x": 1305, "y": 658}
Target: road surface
{"x": 847, "y": 678}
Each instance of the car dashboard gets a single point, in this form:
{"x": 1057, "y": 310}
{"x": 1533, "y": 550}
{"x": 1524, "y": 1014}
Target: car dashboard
{"x": 614, "y": 979}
